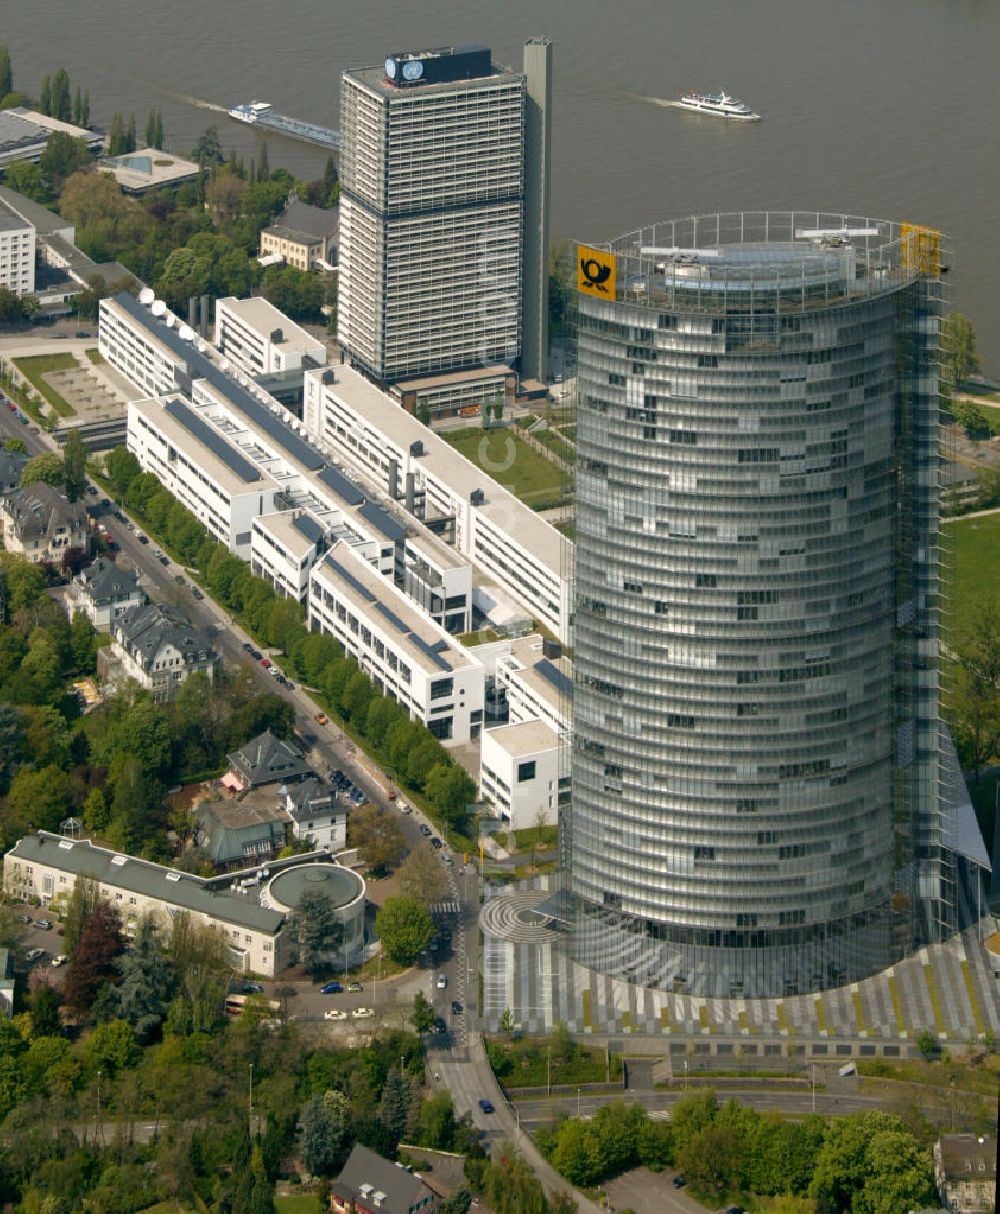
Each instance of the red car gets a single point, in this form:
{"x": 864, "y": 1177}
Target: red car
{"x": 266, "y": 663}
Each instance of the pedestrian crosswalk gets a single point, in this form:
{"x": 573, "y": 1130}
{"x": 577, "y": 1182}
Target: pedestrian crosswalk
{"x": 444, "y": 908}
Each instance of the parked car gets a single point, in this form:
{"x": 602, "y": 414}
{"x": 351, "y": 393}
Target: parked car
{"x": 34, "y": 954}
{"x": 678, "y": 1182}
{"x": 456, "y": 1008}
{"x": 320, "y": 718}
{"x": 486, "y": 1106}
{"x": 24, "y": 918}
{"x": 266, "y": 663}
{"x": 363, "y": 1013}
{"x": 354, "y": 987}
{"x": 289, "y": 685}
{"x": 403, "y": 807}
{"x": 440, "y": 1026}
{"x": 255, "y": 654}
{"x": 143, "y": 539}
{"x": 197, "y": 593}
{"x": 60, "y": 960}
{"x": 331, "y": 988}
{"x": 164, "y": 560}
{"x": 334, "y": 1013}
{"x": 252, "y": 988}
{"x": 425, "y": 830}
{"x": 44, "y": 924}
{"x": 92, "y": 490}
{"x": 442, "y": 982}
{"x": 436, "y": 843}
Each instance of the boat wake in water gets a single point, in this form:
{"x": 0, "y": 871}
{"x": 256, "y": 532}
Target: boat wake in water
{"x": 197, "y": 102}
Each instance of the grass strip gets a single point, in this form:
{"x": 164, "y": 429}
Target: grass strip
{"x": 820, "y": 1011}
{"x": 587, "y": 1022}
{"x": 897, "y": 1005}
{"x": 859, "y": 1011}
{"x": 38, "y": 365}
{"x": 935, "y": 998}
{"x": 970, "y": 990}
{"x": 782, "y": 1015}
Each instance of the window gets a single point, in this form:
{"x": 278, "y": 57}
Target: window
{"x": 442, "y": 688}
{"x": 525, "y": 771}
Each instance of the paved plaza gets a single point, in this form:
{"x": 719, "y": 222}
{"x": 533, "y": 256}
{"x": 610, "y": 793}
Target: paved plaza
{"x": 950, "y": 989}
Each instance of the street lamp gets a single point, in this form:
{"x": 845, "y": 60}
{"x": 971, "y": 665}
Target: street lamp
{"x": 685, "y": 1074}
{"x": 578, "y": 1104}
{"x": 813, "y": 1067}
{"x": 100, "y": 1127}
{"x": 251, "y": 1100}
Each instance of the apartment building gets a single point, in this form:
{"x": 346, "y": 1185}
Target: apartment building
{"x": 17, "y": 252}
{"x": 302, "y": 236}
{"x": 406, "y": 655}
{"x": 46, "y": 866}
{"x": 42, "y": 525}
{"x": 358, "y": 423}
{"x": 158, "y": 647}
{"x": 260, "y": 340}
{"x": 103, "y": 592}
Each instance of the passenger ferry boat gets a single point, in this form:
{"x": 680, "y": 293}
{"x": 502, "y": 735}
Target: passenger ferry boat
{"x": 721, "y": 105}
{"x": 261, "y": 113}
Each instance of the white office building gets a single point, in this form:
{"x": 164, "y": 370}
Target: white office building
{"x": 216, "y": 482}
{"x": 538, "y": 688}
{"x": 17, "y": 252}
{"x": 498, "y": 533}
{"x": 431, "y": 213}
{"x": 520, "y": 773}
{"x": 260, "y": 340}
{"x": 405, "y": 654}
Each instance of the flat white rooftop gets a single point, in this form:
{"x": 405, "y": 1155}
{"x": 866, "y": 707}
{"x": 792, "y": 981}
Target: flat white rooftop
{"x": 528, "y": 529}
{"x": 282, "y": 527}
{"x": 264, "y": 318}
{"x": 530, "y": 738}
{"x": 550, "y": 679}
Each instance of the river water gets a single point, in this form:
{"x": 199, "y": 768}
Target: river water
{"x": 885, "y": 108}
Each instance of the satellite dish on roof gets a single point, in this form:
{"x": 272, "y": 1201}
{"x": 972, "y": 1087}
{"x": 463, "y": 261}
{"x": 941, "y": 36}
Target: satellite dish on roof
{"x": 185, "y": 333}
{"x": 158, "y": 307}
{"x": 171, "y": 320}
{"x": 147, "y": 295}
{"x": 199, "y": 345}
{"x": 224, "y": 365}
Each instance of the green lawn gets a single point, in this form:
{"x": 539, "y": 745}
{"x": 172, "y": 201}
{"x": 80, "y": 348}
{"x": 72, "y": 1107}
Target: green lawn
{"x": 976, "y": 567}
{"x": 95, "y": 357}
{"x": 505, "y": 456}
{"x": 36, "y": 366}
{"x": 298, "y": 1203}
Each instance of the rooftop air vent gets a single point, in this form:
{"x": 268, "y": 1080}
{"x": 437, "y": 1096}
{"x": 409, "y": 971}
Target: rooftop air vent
{"x": 417, "y": 448}
{"x": 277, "y": 336}
{"x": 118, "y": 861}
{"x": 173, "y": 876}
{"x": 477, "y": 497}
{"x": 329, "y": 377}
{"x": 65, "y": 844}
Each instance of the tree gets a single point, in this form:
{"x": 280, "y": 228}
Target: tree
{"x": 38, "y": 799}
{"x": 47, "y": 468}
{"x": 201, "y": 963}
{"x": 208, "y": 148}
{"x": 297, "y": 293}
{"x": 424, "y": 413}
{"x": 90, "y": 198}
{"x": 322, "y": 1134}
{"x": 122, "y": 468}
{"x": 77, "y": 107}
{"x": 6, "y": 74}
{"x": 461, "y": 1200}
{"x": 510, "y": 1186}
{"x": 45, "y": 96}
{"x": 224, "y": 194}
{"x": 713, "y": 1160}
{"x": 959, "y": 356}
{"x": 422, "y": 878}
{"x": 970, "y": 417}
{"x": 45, "y": 1018}
{"x": 27, "y": 178}
{"x": 404, "y": 927}
{"x": 79, "y": 907}
{"x": 975, "y": 698}
{"x": 358, "y": 693}
{"x": 116, "y": 135}
{"x": 75, "y": 465}
{"x": 83, "y": 639}
{"x": 320, "y": 931}
{"x": 436, "y": 1122}
{"x": 928, "y": 1046}
{"x": 15, "y": 445}
{"x": 62, "y": 104}
{"x": 377, "y": 835}
{"x": 842, "y": 1166}
{"x": 423, "y": 1017}
{"x": 422, "y": 760}
{"x": 111, "y": 1048}
{"x": 450, "y": 790}
{"x": 130, "y": 137}
{"x": 85, "y": 112}
{"x": 62, "y": 157}
{"x": 395, "y": 1105}
{"x": 93, "y": 962}
{"x": 25, "y": 582}
{"x": 331, "y": 183}
{"x": 142, "y": 996}
{"x": 264, "y": 165}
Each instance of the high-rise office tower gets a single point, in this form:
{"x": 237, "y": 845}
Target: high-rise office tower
{"x": 537, "y": 161}
{"x": 432, "y": 181}
{"x": 757, "y": 769}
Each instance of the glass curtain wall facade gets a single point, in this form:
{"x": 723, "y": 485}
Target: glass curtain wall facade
{"x": 755, "y": 722}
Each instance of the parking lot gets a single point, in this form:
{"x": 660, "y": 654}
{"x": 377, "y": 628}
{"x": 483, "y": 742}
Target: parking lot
{"x": 31, "y": 936}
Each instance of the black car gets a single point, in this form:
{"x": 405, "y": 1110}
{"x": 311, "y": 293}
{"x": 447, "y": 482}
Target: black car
{"x": 92, "y": 490}
{"x": 486, "y": 1106}
{"x": 143, "y": 539}
{"x": 436, "y": 843}
{"x": 456, "y": 1008}
{"x": 425, "y": 830}
{"x": 164, "y": 560}
{"x": 197, "y": 593}
{"x": 678, "y": 1182}
{"x": 247, "y": 647}
{"x": 440, "y": 1026}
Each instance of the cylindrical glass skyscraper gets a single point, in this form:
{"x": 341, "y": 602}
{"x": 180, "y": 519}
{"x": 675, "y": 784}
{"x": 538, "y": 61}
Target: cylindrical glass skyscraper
{"x": 755, "y": 717}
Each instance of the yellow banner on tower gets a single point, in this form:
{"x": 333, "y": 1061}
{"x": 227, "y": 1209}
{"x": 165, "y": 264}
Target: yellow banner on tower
{"x": 595, "y": 272}
{"x": 921, "y": 249}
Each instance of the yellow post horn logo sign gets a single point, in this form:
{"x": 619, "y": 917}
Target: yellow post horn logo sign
{"x": 595, "y": 272}
{"x": 921, "y": 249}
